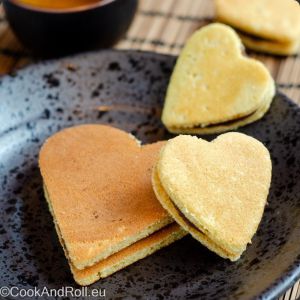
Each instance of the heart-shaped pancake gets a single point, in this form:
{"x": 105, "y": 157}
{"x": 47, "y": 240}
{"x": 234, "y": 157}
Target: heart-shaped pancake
{"x": 269, "y": 46}
{"x": 213, "y": 83}
{"x": 271, "y": 26}
{"x": 215, "y": 190}
{"x": 129, "y": 255}
{"x": 98, "y": 183}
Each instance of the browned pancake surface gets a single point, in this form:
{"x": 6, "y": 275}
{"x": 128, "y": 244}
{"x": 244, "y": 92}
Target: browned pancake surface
{"x": 98, "y": 181}
{"x": 129, "y": 255}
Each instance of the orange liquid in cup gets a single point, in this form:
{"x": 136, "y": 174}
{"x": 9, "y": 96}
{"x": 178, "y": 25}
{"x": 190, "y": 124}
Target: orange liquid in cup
{"x": 57, "y": 4}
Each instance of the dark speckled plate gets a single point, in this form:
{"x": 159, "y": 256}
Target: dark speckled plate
{"x": 40, "y": 100}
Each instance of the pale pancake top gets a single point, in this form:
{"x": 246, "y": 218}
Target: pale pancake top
{"x": 221, "y": 186}
{"x": 271, "y": 19}
{"x": 213, "y": 82}
{"x": 99, "y": 183}
{"x": 232, "y": 125}
{"x": 179, "y": 217}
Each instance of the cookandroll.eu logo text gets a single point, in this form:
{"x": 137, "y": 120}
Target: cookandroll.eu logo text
{"x": 43, "y": 292}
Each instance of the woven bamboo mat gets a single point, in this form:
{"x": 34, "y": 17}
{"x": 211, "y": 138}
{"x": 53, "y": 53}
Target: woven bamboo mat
{"x": 164, "y": 26}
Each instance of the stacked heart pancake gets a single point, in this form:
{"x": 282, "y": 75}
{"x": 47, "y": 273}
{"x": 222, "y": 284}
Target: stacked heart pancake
{"x": 215, "y": 190}
{"x": 271, "y": 26}
{"x": 213, "y": 87}
{"x": 97, "y": 181}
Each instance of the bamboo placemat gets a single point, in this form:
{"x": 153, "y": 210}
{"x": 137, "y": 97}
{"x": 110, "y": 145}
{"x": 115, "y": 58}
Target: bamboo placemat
{"x": 164, "y": 26}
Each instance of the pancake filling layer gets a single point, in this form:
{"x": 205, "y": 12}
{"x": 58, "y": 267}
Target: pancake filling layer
{"x": 226, "y": 123}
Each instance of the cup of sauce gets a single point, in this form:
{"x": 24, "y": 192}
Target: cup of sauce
{"x": 60, "y": 27}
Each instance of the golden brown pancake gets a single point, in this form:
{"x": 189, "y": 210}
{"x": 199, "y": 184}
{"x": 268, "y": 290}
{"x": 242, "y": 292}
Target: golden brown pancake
{"x": 208, "y": 186}
{"x": 98, "y": 184}
{"x": 129, "y": 255}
